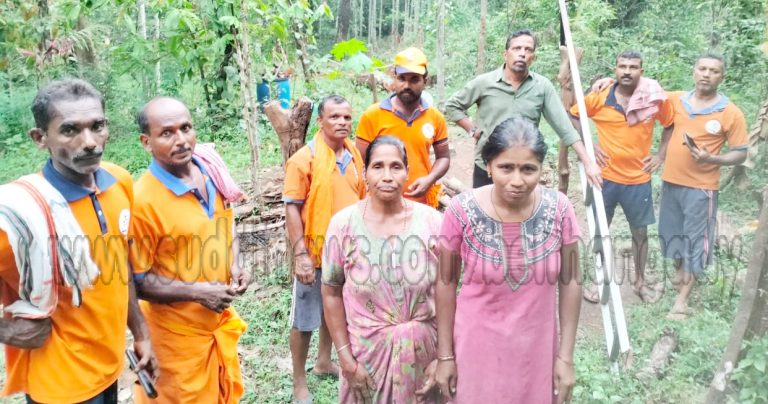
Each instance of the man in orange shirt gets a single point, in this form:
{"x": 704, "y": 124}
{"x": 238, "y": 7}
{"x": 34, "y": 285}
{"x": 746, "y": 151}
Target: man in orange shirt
{"x": 705, "y": 120}
{"x": 76, "y": 355}
{"x": 407, "y": 116}
{"x": 185, "y": 257}
{"x": 623, "y": 151}
{"x": 321, "y": 178}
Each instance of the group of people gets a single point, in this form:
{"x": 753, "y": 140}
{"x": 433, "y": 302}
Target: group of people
{"x": 378, "y": 268}
{"x": 80, "y": 242}
{"x": 477, "y": 304}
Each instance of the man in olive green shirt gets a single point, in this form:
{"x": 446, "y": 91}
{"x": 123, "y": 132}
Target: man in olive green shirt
{"x": 514, "y": 90}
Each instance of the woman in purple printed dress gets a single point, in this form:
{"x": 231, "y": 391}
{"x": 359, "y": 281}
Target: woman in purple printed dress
{"x": 498, "y": 341}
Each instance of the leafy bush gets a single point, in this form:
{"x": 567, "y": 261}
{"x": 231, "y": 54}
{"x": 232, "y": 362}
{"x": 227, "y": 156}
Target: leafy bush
{"x": 752, "y": 373}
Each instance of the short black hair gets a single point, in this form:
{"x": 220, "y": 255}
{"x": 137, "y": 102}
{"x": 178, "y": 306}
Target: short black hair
{"x": 711, "y": 55}
{"x": 515, "y": 131}
{"x": 630, "y": 54}
{"x": 382, "y": 141}
{"x": 66, "y": 89}
{"x": 522, "y": 32}
{"x": 336, "y": 99}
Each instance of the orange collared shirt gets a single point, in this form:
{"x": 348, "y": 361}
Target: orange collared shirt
{"x": 180, "y": 236}
{"x": 419, "y": 133}
{"x": 84, "y": 353}
{"x": 711, "y": 129}
{"x": 626, "y": 146}
{"x": 298, "y": 177}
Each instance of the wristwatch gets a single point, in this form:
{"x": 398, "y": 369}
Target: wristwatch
{"x": 473, "y": 130}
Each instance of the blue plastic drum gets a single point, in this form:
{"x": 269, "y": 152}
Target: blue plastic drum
{"x": 284, "y": 92}
{"x": 262, "y": 92}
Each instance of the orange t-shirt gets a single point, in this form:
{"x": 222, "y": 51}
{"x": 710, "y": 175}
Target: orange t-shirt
{"x": 84, "y": 353}
{"x": 711, "y": 129}
{"x": 626, "y": 146}
{"x": 179, "y": 236}
{"x": 426, "y": 128}
{"x": 298, "y": 177}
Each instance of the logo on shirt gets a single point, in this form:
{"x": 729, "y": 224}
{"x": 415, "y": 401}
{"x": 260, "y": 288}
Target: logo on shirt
{"x": 428, "y": 130}
{"x": 713, "y": 127}
{"x": 124, "y": 221}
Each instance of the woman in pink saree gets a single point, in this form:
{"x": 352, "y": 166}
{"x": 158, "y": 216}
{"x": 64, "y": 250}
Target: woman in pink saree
{"x": 379, "y": 270}
{"x": 517, "y": 240}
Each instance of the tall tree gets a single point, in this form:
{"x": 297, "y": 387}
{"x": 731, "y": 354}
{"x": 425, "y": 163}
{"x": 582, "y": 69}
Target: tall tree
{"x": 141, "y": 6}
{"x": 345, "y": 14}
{"x": 480, "y": 67}
{"x": 441, "y": 54}
{"x": 380, "y": 18}
{"x": 407, "y": 18}
{"x": 372, "y": 22}
{"x": 394, "y": 31}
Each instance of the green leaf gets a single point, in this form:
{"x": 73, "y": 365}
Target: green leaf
{"x": 358, "y": 63}
{"x": 228, "y": 21}
{"x": 348, "y": 48}
{"x": 760, "y": 363}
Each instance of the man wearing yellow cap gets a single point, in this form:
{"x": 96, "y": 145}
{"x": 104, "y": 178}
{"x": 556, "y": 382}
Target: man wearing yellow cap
{"x": 409, "y": 117}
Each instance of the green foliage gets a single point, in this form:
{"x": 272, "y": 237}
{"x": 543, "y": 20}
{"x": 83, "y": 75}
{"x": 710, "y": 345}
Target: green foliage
{"x": 752, "y": 373}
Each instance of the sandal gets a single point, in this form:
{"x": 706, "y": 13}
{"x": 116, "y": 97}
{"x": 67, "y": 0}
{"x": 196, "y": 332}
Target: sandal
{"x": 591, "y": 294}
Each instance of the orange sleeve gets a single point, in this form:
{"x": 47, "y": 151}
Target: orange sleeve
{"x": 8, "y": 271}
{"x": 591, "y": 101}
{"x": 441, "y": 128}
{"x": 143, "y": 243}
{"x": 666, "y": 114}
{"x": 297, "y": 177}
{"x": 365, "y": 128}
{"x": 737, "y": 133}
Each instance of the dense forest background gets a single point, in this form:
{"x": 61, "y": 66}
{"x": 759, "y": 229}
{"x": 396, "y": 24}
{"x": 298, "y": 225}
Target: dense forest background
{"x": 213, "y": 54}
{"x": 133, "y": 50}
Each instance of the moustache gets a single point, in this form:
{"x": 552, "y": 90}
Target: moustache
{"x": 88, "y": 156}
{"x": 181, "y": 151}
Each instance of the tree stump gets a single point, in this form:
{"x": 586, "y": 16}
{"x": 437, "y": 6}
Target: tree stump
{"x": 290, "y": 124}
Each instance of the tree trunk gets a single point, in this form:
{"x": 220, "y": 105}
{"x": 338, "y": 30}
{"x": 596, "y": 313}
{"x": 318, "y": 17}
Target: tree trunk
{"x": 371, "y": 22}
{"x": 141, "y": 6}
{"x": 394, "y": 32}
{"x": 417, "y": 29}
{"x": 407, "y": 18}
{"x": 480, "y": 67}
{"x": 290, "y": 124}
{"x": 345, "y": 12}
{"x": 441, "y": 54}
{"x": 243, "y": 58}
{"x": 157, "y": 64}
{"x": 380, "y": 18}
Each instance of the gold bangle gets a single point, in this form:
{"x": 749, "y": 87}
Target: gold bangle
{"x": 446, "y": 358}
{"x": 342, "y": 348}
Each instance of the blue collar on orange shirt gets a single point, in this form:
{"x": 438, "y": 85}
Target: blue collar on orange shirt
{"x": 71, "y": 191}
{"x": 178, "y": 187}
{"x": 386, "y": 104}
{"x": 346, "y": 156}
{"x": 719, "y": 106}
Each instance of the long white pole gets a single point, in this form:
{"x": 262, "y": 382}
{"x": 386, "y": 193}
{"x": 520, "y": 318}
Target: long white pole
{"x": 605, "y": 276}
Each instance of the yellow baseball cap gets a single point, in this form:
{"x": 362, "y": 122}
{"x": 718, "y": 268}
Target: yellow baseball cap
{"x": 411, "y": 60}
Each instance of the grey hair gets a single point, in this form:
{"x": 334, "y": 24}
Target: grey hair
{"x": 58, "y": 90}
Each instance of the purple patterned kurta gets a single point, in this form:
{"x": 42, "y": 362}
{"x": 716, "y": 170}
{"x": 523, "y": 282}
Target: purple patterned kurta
{"x": 390, "y": 309}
